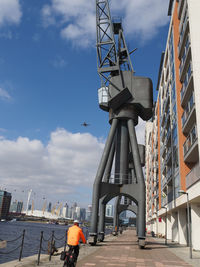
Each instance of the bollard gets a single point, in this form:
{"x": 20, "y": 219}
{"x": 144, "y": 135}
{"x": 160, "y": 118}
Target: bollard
{"x": 22, "y": 245}
{"x": 52, "y": 237}
{"x": 65, "y": 240}
{"x": 41, "y": 237}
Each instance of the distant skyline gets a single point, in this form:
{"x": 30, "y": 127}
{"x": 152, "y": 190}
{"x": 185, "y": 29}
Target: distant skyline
{"x": 48, "y": 88}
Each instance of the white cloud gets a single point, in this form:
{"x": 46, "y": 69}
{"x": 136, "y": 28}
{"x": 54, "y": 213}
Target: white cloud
{"x": 77, "y": 18}
{"x": 4, "y": 94}
{"x": 64, "y": 166}
{"x": 63, "y": 170}
{"x": 10, "y": 12}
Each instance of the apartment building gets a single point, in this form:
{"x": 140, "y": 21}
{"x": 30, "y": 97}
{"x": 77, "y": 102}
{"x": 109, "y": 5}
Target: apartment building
{"x": 5, "y": 199}
{"x": 173, "y": 137}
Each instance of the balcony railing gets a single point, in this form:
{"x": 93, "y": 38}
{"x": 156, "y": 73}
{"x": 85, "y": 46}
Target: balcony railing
{"x": 169, "y": 174}
{"x": 180, "y": 8}
{"x": 192, "y": 137}
{"x": 182, "y": 33}
{"x": 188, "y": 110}
{"x": 185, "y": 54}
{"x": 170, "y": 196}
{"x": 169, "y": 153}
{"x": 186, "y": 84}
{"x": 168, "y": 137}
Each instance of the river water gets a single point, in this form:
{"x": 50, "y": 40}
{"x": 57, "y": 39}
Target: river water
{"x": 12, "y": 230}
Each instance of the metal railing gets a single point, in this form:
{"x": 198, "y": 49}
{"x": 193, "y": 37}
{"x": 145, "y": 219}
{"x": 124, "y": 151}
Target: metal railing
{"x": 49, "y": 249}
{"x": 19, "y": 246}
{"x": 192, "y": 137}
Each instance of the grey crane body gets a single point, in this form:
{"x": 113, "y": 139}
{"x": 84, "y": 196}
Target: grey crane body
{"x": 126, "y": 97}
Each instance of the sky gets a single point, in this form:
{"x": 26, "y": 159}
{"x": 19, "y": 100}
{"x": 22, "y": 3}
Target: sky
{"x": 48, "y": 88}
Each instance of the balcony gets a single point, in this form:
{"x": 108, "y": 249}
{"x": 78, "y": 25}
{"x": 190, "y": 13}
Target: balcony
{"x": 168, "y": 157}
{"x": 162, "y": 136}
{"x": 185, "y": 61}
{"x": 169, "y": 174}
{"x": 189, "y": 115}
{"x": 183, "y": 14}
{"x": 162, "y": 119}
{"x": 170, "y": 196}
{"x": 166, "y": 103}
{"x": 193, "y": 176}
{"x": 180, "y": 8}
{"x": 162, "y": 150}
{"x": 168, "y": 138}
{"x": 183, "y": 35}
{"x": 187, "y": 87}
{"x": 164, "y": 183}
{"x": 190, "y": 147}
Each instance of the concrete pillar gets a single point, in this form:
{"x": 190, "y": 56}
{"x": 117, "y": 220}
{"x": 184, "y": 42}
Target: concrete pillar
{"x": 195, "y": 219}
{"x": 182, "y": 226}
{"x": 174, "y": 226}
{"x": 169, "y": 226}
{"x": 161, "y": 226}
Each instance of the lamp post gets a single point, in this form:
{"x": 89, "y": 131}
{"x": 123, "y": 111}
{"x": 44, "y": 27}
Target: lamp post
{"x": 188, "y": 221}
{"x": 165, "y": 225}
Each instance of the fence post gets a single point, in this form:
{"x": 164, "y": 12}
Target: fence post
{"x": 52, "y": 236}
{"x": 22, "y": 245}
{"x": 65, "y": 240}
{"x": 41, "y": 237}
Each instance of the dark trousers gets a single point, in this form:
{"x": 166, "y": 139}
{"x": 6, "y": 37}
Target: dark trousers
{"x": 76, "y": 251}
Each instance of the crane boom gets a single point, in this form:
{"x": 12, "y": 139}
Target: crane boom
{"x": 107, "y": 61}
{"x": 113, "y": 58}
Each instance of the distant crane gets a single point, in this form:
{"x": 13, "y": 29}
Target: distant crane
{"x": 32, "y": 207}
{"x": 44, "y": 207}
{"x": 58, "y": 210}
{"x": 29, "y": 196}
{"x": 53, "y": 209}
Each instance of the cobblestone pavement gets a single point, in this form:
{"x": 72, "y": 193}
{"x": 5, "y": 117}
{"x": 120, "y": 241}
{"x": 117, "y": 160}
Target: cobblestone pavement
{"x": 124, "y": 252}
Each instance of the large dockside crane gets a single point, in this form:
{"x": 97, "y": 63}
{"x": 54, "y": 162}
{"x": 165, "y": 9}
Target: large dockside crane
{"x": 125, "y": 96}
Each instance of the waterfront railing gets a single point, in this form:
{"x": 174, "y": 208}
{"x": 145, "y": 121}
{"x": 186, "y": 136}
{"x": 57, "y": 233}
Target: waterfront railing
{"x": 47, "y": 245}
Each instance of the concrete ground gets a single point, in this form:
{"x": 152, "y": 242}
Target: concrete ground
{"x": 123, "y": 251}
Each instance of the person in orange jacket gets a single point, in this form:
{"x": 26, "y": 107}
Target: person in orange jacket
{"x": 74, "y": 235}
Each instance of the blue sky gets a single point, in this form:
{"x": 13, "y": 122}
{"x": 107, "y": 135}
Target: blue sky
{"x": 48, "y": 87}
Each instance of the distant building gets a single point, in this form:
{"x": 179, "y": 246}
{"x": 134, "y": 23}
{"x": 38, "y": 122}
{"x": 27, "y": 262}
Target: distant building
{"x": 5, "y": 199}
{"x": 65, "y": 211}
{"x": 82, "y": 214}
{"x": 16, "y": 206}
{"x": 122, "y": 215}
{"x": 69, "y": 214}
{"x": 89, "y": 213}
{"x": 74, "y": 215}
{"x": 78, "y": 213}
{"x": 19, "y": 206}
{"x": 13, "y": 206}
{"x": 49, "y": 207}
{"x": 109, "y": 210}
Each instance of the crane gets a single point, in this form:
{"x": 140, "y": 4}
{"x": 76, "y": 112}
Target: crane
{"x": 44, "y": 207}
{"x": 53, "y": 209}
{"x": 126, "y": 97}
{"x": 32, "y": 207}
{"x": 58, "y": 209}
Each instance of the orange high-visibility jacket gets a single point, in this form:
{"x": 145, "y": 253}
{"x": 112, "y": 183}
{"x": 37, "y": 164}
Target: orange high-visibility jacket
{"x": 74, "y": 234}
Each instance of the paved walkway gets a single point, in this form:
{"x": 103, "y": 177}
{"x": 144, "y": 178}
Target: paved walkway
{"x": 122, "y": 251}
